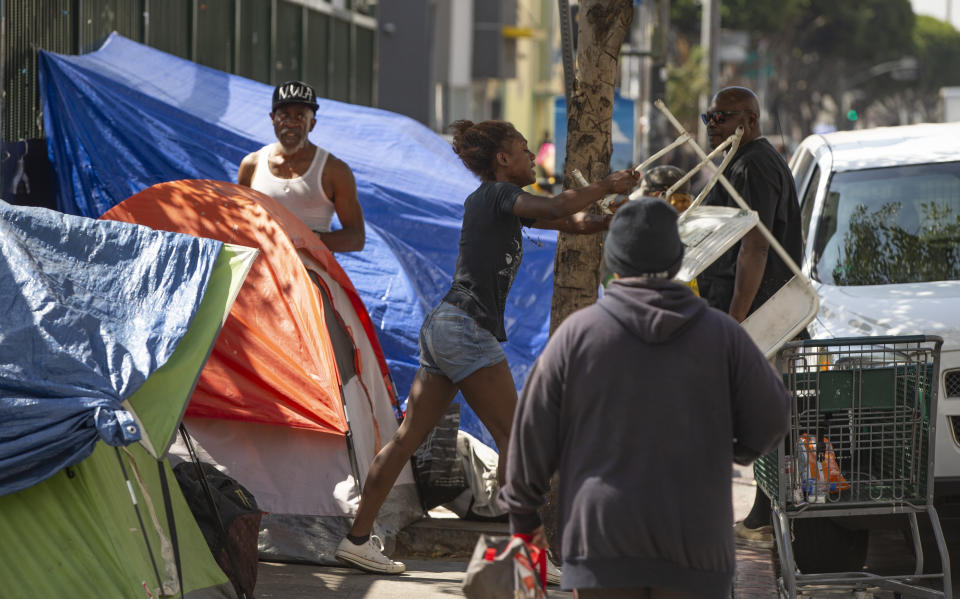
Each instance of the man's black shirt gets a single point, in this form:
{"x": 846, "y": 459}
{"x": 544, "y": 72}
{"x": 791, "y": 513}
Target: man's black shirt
{"x": 490, "y": 252}
{"x": 761, "y": 176}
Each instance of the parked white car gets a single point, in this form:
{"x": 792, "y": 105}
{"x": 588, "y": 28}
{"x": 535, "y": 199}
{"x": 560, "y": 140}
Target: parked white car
{"x": 880, "y": 211}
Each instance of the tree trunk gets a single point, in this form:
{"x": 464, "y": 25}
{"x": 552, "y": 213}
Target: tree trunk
{"x": 603, "y": 26}
{"x": 576, "y": 267}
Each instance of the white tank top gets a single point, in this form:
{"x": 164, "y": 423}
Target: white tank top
{"x": 301, "y": 195}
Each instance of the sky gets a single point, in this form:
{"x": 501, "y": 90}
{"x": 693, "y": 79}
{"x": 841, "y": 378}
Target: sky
{"x": 939, "y": 9}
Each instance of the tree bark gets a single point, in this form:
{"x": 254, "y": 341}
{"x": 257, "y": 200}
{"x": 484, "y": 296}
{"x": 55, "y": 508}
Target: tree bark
{"x": 576, "y": 267}
{"x": 603, "y": 26}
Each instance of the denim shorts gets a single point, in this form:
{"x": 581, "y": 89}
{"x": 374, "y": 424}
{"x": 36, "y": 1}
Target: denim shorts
{"x": 454, "y": 345}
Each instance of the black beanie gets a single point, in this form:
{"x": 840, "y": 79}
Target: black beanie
{"x": 643, "y": 240}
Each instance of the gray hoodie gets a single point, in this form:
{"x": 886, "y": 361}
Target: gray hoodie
{"x": 639, "y": 402}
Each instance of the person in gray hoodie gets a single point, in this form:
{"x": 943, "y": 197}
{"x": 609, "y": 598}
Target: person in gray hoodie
{"x": 642, "y": 402}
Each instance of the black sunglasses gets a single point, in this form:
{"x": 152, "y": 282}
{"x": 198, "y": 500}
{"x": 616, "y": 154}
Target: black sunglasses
{"x": 720, "y": 116}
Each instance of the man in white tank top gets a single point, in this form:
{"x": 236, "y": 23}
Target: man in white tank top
{"x": 308, "y": 180}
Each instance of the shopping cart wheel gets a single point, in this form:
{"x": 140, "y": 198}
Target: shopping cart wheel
{"x": 782, "y": 590}
{"x": 821, "y": 545}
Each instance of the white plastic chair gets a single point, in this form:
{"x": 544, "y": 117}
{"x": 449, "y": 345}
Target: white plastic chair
{"x": 794, "y": 305}
{"x": 708, "y": 232}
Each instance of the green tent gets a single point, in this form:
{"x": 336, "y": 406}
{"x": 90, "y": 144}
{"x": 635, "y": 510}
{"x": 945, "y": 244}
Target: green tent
{"x": 101, "y": 528}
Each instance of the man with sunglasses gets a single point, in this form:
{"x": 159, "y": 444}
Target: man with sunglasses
{"x": 746, "y": 276}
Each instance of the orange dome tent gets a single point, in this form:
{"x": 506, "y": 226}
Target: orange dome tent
{"x": 296, "y": 368}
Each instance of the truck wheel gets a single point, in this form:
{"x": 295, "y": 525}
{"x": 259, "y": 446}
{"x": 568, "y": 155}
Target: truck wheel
{"x": 821, "y": 545}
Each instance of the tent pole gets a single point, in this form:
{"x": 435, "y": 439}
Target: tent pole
{"x": 171, "y": 523}
{"x": 143, "y": 529}
{"x": 351, "y": 451}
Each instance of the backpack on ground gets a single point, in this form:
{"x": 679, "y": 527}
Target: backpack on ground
{"x": 231, "y": 526}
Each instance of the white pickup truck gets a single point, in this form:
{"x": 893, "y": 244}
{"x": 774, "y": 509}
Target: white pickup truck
{"x": 880, "y": 210}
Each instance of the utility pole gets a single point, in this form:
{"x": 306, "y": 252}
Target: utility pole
{"x": 640, "y": 32}
{"x": 652, "y": 29}
{"x": 709, "y": 31}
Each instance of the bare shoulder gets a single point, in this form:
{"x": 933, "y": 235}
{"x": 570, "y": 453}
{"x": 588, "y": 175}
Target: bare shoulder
{"x": 337, "y": 170}
{"x": 335, "y": 165}
{"x": 247, "y": 167}
{"x": 252, "y": 157}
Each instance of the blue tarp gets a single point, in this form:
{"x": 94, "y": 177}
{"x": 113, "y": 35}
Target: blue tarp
{"x": 88, "y": 310}
{"x": 127, "y": 116}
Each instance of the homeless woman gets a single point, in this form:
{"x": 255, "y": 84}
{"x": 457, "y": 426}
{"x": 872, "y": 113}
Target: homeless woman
{"x": 460, "y": 339}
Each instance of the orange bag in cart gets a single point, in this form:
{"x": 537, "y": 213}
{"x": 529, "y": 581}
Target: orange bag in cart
{"x": 818, "y": 465}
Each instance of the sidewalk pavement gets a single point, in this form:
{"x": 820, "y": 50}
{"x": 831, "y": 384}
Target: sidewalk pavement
{"x": 756, "y": 576}
{"x": 441, "y": 578}
{"x": 424, "y": 579}
{"x": 441, "y": 547}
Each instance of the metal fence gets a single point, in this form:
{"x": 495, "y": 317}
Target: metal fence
{"x": 328, "y": 43}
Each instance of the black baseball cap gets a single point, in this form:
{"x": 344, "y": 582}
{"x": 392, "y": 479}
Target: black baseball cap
{"x": 294, "y": 92}
{"x": 661, "y": 178}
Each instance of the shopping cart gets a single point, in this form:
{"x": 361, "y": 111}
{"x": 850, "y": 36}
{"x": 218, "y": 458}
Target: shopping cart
{"x": 861, "y": 423}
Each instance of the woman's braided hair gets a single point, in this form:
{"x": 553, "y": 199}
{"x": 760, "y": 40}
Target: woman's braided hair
{"x": 477, "y": 144}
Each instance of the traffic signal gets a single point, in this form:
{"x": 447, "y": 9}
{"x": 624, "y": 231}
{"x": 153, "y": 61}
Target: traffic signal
{"x": 852, "y": 115}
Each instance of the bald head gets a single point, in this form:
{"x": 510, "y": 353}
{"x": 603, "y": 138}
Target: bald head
{"x": 740, "y": 96}
{"x": 736, "y": 106}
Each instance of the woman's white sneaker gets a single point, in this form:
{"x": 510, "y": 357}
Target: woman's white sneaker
{"x": 368, "y": 556}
